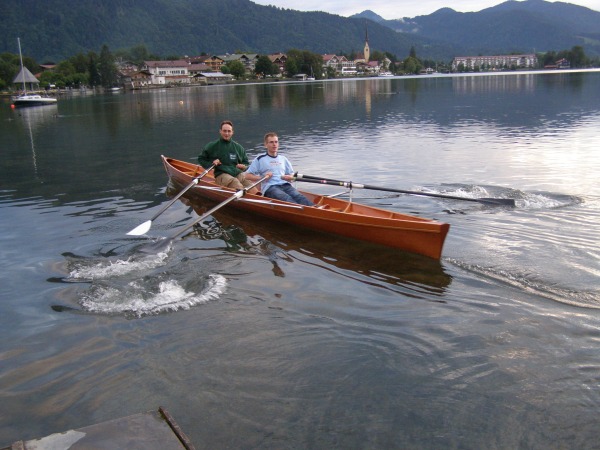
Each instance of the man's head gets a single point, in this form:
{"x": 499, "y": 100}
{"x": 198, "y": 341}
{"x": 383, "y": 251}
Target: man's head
{"x": 272, "y": 143}
{"x": 226, "y": 130}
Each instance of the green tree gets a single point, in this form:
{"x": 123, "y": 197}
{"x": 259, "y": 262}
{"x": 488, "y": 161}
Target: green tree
{"x": 412, "y": 65}
{"x": 549, "y": 58}
{"x": 291, "y": 67}
{"x": 303, "y": 61}
{"x": 65, "y": 68}
{"x": 79, "y": 79}
{"x": 30, "y": 63}
{"x": 264, "y": 66}
{"x": 393, "y": 61}
{"x": 8, "y": 71}
{"x": 107, "y": 67}
{"x": 80, "y": 63}
{"x": 10, "y": 65}
{"x": 376, "y": 55}
{"x": 94, "y": 75}
{"x": 577, "y": 57}
{"x": 315, "y": 63}
{"x": 48, "y": 77}
{"x": 237, "y": 69}
{"x": 139, "y": 54}
{"x": 52, "y": 77}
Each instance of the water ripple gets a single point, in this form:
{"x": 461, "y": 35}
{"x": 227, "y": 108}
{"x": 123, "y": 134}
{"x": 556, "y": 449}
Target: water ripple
{"x": 139, "y": 285}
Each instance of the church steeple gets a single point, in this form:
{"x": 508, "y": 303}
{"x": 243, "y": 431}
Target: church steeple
{"x": 367, "y": 51}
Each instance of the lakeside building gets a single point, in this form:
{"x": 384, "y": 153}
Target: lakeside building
{"x": 560, "y": 64}
{"x": 249, "y": 60}
{"x": 279, "y": 59}
{"x": 167, "y": 72}
{"x": 213, "y": 62}
{"x": 196, "y": 69}
{"x": 340, "y": 64}
{"x": 207, "y": 78}
{"x": 496, "y": 62}
{"x": 207, "y": 69}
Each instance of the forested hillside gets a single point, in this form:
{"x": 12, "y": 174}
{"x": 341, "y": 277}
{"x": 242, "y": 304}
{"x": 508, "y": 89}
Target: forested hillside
{"x": 55, "y": 29}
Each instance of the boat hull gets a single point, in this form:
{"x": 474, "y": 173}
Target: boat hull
{"x": 33, "y": 100}
{"x": 338, "y": 217}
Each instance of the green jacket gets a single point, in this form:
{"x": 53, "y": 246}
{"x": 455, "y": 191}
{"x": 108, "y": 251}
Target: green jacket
{"x": 229, "y": 153}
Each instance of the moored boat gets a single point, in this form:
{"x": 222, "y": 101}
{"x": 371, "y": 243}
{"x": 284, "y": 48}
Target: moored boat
{"x": 33, "y": 100}
{"x": 28, "y": 99}
{"x": 331, "y": 215}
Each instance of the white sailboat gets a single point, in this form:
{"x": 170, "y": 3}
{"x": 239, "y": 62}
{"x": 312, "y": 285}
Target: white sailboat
{"x": 26, "y": 99}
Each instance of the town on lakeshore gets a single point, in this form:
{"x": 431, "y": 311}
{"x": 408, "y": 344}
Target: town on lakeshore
{"x": 117, "y": 72}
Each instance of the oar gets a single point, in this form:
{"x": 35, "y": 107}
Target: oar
{"x": 145, "y": 227}
{"x": 158, "y": 246}
{"x": 350, "y": 185}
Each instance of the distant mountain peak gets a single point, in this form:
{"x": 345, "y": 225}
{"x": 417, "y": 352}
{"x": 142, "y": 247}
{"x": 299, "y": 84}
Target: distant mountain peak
{"x": 444, "y": 10}
{"x": 368, "y": 14}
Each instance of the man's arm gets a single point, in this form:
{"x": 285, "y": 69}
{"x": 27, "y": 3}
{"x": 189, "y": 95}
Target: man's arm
{"x": 242, "y": 157}
{"x": 205, "y": 158}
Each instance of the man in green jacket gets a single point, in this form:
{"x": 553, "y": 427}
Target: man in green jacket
{"x": 229, "y": 158}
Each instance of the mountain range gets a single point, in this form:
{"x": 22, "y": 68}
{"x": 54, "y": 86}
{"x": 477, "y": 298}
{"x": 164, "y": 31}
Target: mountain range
{"x": 54, "y": 30}
{"x": 510, "y": 27}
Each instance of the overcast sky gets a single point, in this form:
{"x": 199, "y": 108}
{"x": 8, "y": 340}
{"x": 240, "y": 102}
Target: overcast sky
{"x": 396, "y": 9}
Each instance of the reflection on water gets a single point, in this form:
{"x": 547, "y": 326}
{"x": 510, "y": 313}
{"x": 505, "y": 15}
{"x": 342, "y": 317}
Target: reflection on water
{"x": 357, "y": 260}
{"x": 427, "y": 116}
{"x": 32, "y": 119}
{"x": 293, "y": 338}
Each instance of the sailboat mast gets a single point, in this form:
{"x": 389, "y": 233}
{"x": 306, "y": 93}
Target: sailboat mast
{"x": 22, "y": 71}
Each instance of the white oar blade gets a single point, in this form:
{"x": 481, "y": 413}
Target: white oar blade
{"x": 141, "y": 229}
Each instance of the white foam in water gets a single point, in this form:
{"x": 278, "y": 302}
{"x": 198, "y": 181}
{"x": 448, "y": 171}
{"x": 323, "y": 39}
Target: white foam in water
{"x": 136, "y": 301}
{"x": 472, "y": 192}
{"x": 538, "y": 201}
{"x": 118, "y": 267}
{"x": 529, "y": 200}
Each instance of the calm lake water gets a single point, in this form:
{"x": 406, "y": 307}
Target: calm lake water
{"x": 255, "y": 334}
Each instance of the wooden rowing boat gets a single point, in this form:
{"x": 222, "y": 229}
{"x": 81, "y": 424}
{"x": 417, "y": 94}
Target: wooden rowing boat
{"x": 245, "y": 232}
{"x": 334, "y": 215}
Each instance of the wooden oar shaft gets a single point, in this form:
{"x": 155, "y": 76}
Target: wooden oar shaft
{"x": 161, "y": 245}
{"x": 183, "y": 191}
{"x": 351, "y": 185}
{"x": 238, "y": 194}
{"x": 145, "y": 227}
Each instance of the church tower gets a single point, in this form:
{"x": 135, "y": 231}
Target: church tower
{"x": 367, "y": 51}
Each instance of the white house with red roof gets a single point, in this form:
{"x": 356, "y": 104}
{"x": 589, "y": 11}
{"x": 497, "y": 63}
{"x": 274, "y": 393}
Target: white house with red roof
{"x": 168, "y": 72}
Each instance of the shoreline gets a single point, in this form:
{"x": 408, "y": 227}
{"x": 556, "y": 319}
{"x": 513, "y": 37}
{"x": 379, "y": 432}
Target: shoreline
{"x": 90, "y": 91}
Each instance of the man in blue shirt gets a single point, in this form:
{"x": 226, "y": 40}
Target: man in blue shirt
{"x": 279, "y": 172}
